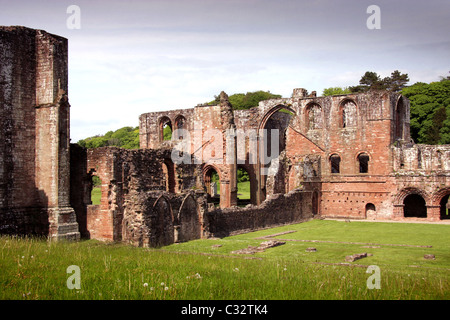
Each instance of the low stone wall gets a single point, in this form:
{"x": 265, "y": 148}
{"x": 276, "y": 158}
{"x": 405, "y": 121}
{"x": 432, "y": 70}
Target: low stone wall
{"x": 279, "y": 209}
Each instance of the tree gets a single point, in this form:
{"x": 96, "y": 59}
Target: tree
{"x": 396, "y": 82}
{"x": 248, "y": 100}
{"x": 430, "y": 111}
{"x": 333, "y": 91}
{"x": 372, "y": 81}
{"x": 126, "y": 137}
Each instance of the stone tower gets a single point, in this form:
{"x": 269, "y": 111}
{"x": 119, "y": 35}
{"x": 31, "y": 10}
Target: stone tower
{"x": 34, "y": 135}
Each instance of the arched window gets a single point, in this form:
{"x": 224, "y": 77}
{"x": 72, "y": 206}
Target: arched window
{"x": 314, "y": 117}
{"x": 211, "y": 180}
{"x": 363, "y": 160}
{"x": 169, "y": 174}
{"x": 348, "y": 114}
{"x": 165, "y": 129}
{"x": 335, "y": 163}
{"x": 180, "y": 126}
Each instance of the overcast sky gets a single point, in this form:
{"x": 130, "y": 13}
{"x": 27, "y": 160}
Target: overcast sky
{"x": 131, "y": 57}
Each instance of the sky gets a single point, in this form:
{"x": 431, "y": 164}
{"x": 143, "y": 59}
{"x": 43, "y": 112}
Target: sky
{"x": 132, "y": 57}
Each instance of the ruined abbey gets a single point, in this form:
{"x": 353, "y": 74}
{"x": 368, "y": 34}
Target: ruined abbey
{"x": 346, "y": 156}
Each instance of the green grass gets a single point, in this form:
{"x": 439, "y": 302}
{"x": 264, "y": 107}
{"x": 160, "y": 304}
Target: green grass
{"x": 244, "y": 190}
{"x": 36, "y": 269}
{"x": 96, "y": 195}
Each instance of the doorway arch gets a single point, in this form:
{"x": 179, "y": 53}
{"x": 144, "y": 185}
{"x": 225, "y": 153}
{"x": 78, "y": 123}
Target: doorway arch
{"x": 211, "y": 182}
{"x": 414, "y": 206}
{"x": 277, "y": 118}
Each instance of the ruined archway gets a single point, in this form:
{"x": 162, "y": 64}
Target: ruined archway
{"x": 440, "y": 199}
{"x": 370, "y": 211}
{"x": 272, "y": 142}
{"x": 211, "y": 182}
{"x": 348, "y": 114}
{"x": 165, "y": 129}
{"x": 444, "y": 207}
{"x": 414, "y": 206}
{"x": 314, "y": 116}
{"x": 189, "y": 220}
{"x": 160, "y": 223}
{"x": 180, "y": 127}
{"x": 246, "y": 186}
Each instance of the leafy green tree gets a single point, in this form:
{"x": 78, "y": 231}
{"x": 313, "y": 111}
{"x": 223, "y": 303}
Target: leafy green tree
{"x": 242, "y": 175}
{"x": 430, "y": 111}
{"x": 248, "y": 100}
{"x": 333, "y": 91}
{"x": 126, "y": 137}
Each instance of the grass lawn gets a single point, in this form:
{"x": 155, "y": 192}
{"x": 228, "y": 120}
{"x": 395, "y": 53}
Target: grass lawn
{"x": 244, "y": 190}
{"x": 96, "y": 195}
{"x": 36, "y": 269}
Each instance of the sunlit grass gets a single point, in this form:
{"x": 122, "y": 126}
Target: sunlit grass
{"x": 36, "y": 268}
{"x": 96, "y": 195}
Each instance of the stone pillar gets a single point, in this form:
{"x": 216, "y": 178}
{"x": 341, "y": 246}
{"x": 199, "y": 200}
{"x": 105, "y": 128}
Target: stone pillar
{"x": 33, "y": 81}
{"x": 433, "y": 213}
{"x": 53, "y": 133}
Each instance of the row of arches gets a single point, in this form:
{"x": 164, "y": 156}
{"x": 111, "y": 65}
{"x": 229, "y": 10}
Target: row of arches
{"x": 166, "y": 128}
{"x": 348, "y": 115}
{"x": 165, "y": 221}
{"x": 245, "y": 185}
{"x": 416, "y": 203}
{"x": 362, "y": 162}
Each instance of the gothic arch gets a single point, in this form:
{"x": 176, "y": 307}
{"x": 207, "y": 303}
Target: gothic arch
{"x": 441, "y": 199}
{"x": 438, "y": 195}
{"x": 207, "y": 173}
{"x": 180, "y": 126}
{"x": 160, "y": 223}
{"x": 334, "y": 161}
{"x": 264, "y": 155}
{"x": 408, "y": 191}
{"x": 163, "y": 122}
{"x": 363, "y": 159}
{"x": 348, "y": 113}
{"x": 189, "y": 220}
{"x": 414, "y": 202}
{"x": 271, "y": 112}
{"x": 313, "y": 116}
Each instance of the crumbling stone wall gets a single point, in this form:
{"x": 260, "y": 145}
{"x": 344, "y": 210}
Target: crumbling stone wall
{"x": 279, "y": 209}
{"x": 135, "y": 206}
